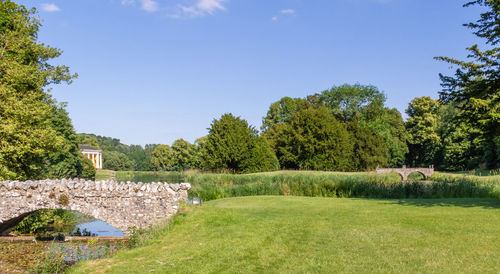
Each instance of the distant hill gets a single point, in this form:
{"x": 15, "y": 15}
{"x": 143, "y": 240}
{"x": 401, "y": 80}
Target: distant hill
{"x": 119, "y": 156}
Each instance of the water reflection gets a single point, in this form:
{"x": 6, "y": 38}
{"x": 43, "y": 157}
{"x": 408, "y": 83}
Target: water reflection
{"x": 100, "y": 229}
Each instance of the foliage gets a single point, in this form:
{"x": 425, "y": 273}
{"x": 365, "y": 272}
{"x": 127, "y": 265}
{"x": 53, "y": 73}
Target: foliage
{"x": 234, "y": 145}
{"x": 422, "y": 126}
{"x": 184, "y": 154}
{"x": 365, "y": 104}
{"x": 36, "y": 136}
{"x": 43, "y": 220}
{"x": 67, "y": 162}
{"x": 88, "y": 170}
{"x": 163, "y": 158}
{"x": 139, "y": 158}
{"x": 361, "y": 104}
{"x": 475, "y": 88}
{"x": 115, "y": 160}
{"x": 281, "y": 111}
{"x": 142, "y": 156}
{"x": 312, "y": 139}
{"x": 389, "y": 124}
{"x": 347, "y": 102}
{"x": 369, "y": 149}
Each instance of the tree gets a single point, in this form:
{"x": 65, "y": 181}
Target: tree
{"x": 459, "y": 140}
{"x": 163, "y": 158}
{"x": 183, "y": 154}
{"x": 475, "y": 87}
{"x": 312, "y": 139}
{"x": 260, "y": 157}
{"x": 347, "y": 101}
{"x": 67, "y": 161}
{"x": 369, "y": 149}
{"x": 365, "y": 103}
{"x": 281, "y": 111}
{"x": 388, "y": 124}
{"x": 115, "y": 160}
{"x": 234, "y": 145}
{"x": 27, "y": 133}
{"x": 422, "y": 126}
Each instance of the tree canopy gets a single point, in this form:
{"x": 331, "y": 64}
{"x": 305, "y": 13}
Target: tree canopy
{"x": 475, "y": 87}
{"x": 37, "y": 138}
{"x": 313, "y": 139}
{"x": 233, "y": 145}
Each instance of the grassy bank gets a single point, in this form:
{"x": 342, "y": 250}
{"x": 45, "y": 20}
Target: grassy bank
{"x": 301, "y": 234}
{"x": 332, "y": 184}
{"x": 326, "y": 184}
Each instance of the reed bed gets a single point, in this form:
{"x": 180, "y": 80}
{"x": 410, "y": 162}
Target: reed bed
{"x": 211, "y": 186}
{"x": 347, "y": 185}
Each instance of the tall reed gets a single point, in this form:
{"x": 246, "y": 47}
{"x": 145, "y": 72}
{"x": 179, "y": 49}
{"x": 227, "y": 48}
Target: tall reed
{"x": 362, "y": 185}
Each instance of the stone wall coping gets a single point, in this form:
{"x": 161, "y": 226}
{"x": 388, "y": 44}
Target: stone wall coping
{"x": 103, "y": 185}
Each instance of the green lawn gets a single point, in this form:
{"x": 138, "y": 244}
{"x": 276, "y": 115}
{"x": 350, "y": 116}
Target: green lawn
{"x": 302, "y": 234}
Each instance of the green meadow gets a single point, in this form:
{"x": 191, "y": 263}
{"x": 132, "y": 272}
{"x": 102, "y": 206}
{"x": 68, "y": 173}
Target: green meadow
{"x": 270, "y": 234}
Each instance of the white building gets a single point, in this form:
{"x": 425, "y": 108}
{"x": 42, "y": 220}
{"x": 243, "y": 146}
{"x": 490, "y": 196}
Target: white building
{"x": 93, "y": 154}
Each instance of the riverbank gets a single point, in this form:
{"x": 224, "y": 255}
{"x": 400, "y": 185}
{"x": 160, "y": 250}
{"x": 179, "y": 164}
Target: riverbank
{"x": 22, "y": 253}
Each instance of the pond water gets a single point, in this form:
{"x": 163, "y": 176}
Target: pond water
{"x": 100, "y": 229}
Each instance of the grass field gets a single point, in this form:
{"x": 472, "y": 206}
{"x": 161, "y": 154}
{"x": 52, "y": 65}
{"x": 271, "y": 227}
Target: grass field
{"x": 301, "y": 234}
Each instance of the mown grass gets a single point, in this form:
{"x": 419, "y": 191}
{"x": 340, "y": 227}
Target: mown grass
{"x": 316, "y": 235}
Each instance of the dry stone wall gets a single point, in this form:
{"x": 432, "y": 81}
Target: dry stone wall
{"x": 121, "y": 205}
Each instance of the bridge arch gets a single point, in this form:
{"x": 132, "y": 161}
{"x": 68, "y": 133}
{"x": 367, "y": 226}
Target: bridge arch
{"x": 121, "y": 205}
{"x": 404, "y": 172}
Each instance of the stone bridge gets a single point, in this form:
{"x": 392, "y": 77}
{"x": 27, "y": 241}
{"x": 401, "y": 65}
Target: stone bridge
{"x": 121, "y": 205}
{"x": 404, "y": 172}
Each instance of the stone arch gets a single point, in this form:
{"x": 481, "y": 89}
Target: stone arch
{"x": 121, "y": 205}
{"x": 404, "y": 172}
{"x": 417, "y": 171}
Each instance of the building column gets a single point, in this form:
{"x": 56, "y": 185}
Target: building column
{"x": 100, "y": 160}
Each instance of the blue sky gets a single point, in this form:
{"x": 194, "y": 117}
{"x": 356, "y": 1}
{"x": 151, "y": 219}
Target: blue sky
{"x": 152, "y": 71}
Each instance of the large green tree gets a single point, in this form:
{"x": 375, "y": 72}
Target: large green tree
{"x": 475, "y": 87}
{"x": 422, "y": 126}
{"x": 233, "y": 145}
{"x": 35, "y": 132}
{"x": 163, "y": 158}
{"x": 183, "y": 154}
{"x": 312, "y": 139}
{"x": 369, "y": 149}
{"x": 347, "y": 102}
{"x": 460, "y": 142}
{"x": 282, "y": 110}
{"x": 366, "y": 104}
{"x": 115, "y": 160}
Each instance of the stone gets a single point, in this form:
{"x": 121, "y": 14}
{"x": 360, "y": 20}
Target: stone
{"x": 121, "y": 205}
{"x": 404, "y": 172}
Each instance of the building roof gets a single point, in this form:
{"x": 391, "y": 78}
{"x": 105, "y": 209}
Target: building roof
{"x": 89, "y": 148}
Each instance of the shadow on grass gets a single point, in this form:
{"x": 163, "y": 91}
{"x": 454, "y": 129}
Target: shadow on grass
{"x": 486, "y": 203}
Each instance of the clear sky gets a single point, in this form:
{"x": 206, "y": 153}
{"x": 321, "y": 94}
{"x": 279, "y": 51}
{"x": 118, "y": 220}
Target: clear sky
{"x": 152, "y": 71}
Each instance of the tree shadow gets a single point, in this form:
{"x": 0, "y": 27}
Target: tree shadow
{"x": 485, "y": 203}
